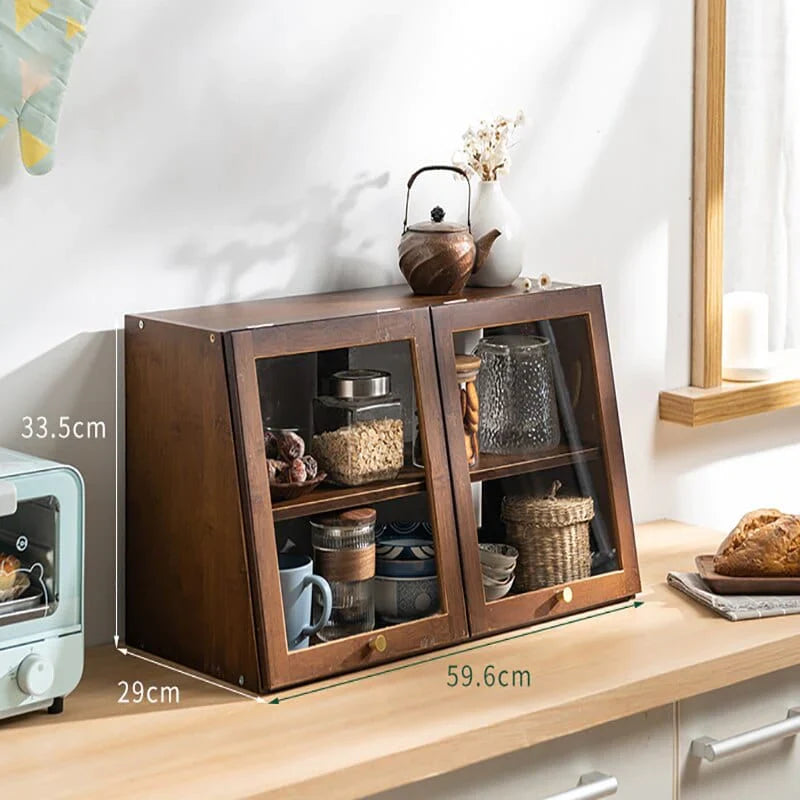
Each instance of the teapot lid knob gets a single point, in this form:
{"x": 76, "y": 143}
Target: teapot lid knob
{"x": 437, "y": 214}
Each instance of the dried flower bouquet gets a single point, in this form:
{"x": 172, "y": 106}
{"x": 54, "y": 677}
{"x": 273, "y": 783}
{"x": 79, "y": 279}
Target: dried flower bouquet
{"x": 484, "y": 150}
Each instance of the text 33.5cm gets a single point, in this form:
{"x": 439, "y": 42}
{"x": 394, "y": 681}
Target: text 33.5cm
{"x": 65, "y": 428}
{"x": 463, "y": 675}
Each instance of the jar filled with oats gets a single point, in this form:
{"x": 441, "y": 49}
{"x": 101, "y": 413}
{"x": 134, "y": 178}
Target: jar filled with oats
{"x": 359, "y": 428}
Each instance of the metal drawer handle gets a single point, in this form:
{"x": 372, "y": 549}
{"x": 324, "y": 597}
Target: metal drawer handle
{"x": 711, "y": 749}
{"x": 591, "y": 786}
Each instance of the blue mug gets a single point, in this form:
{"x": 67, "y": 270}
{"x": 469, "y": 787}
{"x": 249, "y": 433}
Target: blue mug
{"x": 297, "y": 584}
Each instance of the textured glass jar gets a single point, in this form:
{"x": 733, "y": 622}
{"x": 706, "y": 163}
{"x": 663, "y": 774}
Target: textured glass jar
{"x": 518, "y": 400}
{"x": 344, "y": 554}
{"x": 359, "y": 428}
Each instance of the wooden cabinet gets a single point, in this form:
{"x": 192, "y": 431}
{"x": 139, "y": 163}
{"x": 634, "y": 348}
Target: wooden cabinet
{"x": 205, "y": 531}
{"x": 585, "y": 453}
{"x": 770, "y": 769}
{"x": 635, "y": 751}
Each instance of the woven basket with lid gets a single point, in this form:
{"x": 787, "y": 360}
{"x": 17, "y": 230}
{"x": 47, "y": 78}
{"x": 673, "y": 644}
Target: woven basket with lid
{"x": 552, "y": 536}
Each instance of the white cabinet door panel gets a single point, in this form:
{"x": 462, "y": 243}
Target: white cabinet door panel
{"x": 769, "y": 770}
{"x": 637, "y": 751}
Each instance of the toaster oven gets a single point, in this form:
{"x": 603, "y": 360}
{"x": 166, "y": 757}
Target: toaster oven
{"x": 41, "y": 583}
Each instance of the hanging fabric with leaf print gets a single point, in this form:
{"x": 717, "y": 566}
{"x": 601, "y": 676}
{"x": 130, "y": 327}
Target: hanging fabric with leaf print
{"x": 38, "y": 40}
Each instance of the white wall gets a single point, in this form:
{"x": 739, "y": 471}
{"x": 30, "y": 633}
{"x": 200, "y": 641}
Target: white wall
{"x": 219, "y": 151}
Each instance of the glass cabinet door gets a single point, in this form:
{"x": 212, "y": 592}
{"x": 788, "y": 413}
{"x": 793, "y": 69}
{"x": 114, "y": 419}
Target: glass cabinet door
{"x": 538, "y": 471}
{"x": 40, "y": 556}
{"x": 353, "y": 536}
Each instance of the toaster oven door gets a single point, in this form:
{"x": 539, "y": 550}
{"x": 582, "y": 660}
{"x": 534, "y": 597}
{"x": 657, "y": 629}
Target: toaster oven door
{"x": 41, "y": 556}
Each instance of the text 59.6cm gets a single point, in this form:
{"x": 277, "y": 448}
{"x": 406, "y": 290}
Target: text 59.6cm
{"x": 490, "y": 676}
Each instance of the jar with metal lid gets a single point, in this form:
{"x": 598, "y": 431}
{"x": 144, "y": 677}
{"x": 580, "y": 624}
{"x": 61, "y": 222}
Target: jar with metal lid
{"x": 359, "y": 428}
{"x": 344, "y": 554}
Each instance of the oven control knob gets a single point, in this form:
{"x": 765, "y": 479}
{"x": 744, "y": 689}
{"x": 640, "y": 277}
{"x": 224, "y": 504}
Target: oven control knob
{"x": 35, "y": 675}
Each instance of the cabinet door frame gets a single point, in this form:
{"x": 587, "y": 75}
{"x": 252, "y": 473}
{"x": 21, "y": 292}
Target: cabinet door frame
{"x": 278, "y": 666}
{"x": 517, "y": 610}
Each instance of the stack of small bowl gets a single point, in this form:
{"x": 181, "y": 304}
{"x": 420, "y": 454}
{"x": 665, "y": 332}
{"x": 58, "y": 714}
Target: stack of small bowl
{"x": 406, "y": 585}
{"x": 498, "y": 562}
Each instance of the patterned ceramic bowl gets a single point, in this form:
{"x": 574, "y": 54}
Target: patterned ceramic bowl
{"x": 399, "y": 555}
{"x": 498, "y": 556}
{"x": 402, "y": 599}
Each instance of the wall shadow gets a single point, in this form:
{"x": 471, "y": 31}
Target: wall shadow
{"x": 305, "y": 231}
{"x": 75, "y": 379}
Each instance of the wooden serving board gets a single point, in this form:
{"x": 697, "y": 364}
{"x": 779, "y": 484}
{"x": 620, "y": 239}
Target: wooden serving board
{"x": 729, "y": 584}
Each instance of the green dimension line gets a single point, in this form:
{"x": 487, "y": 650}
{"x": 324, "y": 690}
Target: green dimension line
{"x": 451, "y": 654}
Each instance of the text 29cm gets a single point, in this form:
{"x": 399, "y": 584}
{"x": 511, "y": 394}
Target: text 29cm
{"x": 137, "y": 693}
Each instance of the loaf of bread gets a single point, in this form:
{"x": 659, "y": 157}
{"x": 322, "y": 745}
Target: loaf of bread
{"x": 765, "y": 543}
{"x": 8, "y": 571}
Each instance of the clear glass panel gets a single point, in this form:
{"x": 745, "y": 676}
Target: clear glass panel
{"x": 352, "y": 517}
{"x": 540, "y": 486}
{"x": 28, "y": 561}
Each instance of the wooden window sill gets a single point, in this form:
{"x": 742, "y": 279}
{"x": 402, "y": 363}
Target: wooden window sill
{"x": 693, "y": 407}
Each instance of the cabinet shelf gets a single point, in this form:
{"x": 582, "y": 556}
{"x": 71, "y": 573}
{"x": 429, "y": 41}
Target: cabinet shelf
{"x": 411, "y": 480}
{"x": 492, "y": 466}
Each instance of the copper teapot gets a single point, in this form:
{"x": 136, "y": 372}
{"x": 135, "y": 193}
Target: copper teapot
{"x": 438, "y": 257}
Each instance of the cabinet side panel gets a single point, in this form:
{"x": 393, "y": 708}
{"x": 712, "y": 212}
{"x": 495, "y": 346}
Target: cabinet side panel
{"x": 187, "y": 589}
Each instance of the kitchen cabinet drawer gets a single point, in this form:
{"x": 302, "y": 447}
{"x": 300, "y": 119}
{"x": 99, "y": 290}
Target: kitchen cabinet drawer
{"x": 769, "y": 769}
{"x": 637, "y": 751}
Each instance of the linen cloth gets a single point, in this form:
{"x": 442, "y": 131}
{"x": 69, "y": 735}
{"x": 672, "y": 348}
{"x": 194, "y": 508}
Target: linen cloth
{"x": 734, "y": 606}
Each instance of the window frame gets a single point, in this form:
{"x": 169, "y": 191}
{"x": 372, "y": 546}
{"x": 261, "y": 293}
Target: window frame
{"x": 710, "y": 399}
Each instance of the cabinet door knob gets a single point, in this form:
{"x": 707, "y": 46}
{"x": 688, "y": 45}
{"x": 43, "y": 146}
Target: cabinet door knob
{"x": 565, "y": 595}
{"x": 378, "y": 644}
{"x": 712, "y": 749}
{"x": 591, "y": 786}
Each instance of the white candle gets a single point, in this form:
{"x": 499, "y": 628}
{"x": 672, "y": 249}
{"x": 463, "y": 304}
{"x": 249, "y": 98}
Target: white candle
{"x": 745, "y": 336}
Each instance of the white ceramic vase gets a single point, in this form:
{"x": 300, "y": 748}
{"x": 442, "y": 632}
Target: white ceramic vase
{"x": 491, "y": 209}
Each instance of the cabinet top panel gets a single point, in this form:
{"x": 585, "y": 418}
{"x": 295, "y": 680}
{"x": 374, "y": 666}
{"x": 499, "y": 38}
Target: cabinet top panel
{"x": 331, "y": 305}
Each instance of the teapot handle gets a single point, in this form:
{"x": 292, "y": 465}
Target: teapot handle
{"x": 449, "y": 168}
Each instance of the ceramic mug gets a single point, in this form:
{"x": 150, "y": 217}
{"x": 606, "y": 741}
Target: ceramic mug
{"x": 297, "y": 585}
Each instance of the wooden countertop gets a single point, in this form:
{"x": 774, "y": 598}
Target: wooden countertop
{"x": 368, "y": 735}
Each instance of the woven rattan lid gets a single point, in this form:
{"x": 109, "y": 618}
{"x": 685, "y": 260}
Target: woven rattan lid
{"x": 549, "y": 511}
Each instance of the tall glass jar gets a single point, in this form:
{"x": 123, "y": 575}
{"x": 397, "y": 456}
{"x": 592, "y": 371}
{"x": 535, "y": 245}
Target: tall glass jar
{"x": 359, "y": 428}
{"x": 467, "y": 369}
{"x": 344, "y": 554}
{"x": 519, "y": 413}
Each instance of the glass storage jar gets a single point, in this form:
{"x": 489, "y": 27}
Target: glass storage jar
{"x": 359, "y": 428}
{"x": 344, "y": 554}
{"x": 467, "y": 369}
{"x": 519, "y": 413}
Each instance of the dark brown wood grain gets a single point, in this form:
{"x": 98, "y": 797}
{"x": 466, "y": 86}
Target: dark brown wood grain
{"x": 492, "y": 466}
{"x": 410, "y": 481}
{"x": 187, "y": 588}
{"x": 517, "y": 610}
{"x": 308, "y": 308}
{"x": 202, "y": 557}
